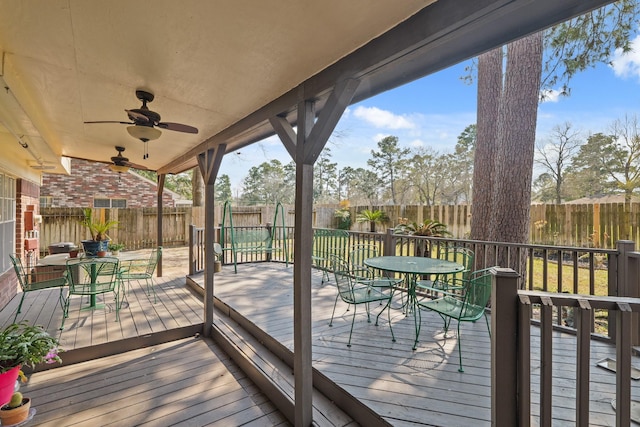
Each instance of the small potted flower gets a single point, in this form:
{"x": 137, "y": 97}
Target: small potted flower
{"x": 23, "y": 344}
{"x": 115, "y": 248}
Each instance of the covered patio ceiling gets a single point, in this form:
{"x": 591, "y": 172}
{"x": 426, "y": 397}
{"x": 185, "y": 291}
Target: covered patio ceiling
{"x": 224, "y": 67}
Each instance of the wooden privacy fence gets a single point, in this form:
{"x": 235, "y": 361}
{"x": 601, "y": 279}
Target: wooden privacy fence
{"x": 136, "y": 229}
{"x": 589, "y": 225}
{"x": 586, "y": 225}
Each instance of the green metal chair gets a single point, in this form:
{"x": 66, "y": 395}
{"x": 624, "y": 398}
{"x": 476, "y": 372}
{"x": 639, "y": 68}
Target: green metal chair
{"x": 468, "y": 306}
{"x": 365, "y": 274}
{"x": 142, "y": 270}
{"x": 328, "y": 243}
{"x": 35, "y": 281}
{"x": 449, "y": 282}
{"x": 352, "y": 292}
{"x": 92, "y": 277}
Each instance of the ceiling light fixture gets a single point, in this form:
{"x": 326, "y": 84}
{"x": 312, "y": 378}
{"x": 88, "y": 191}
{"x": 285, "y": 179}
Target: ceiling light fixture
{"x": 144, "y": 134}
{"x": 119, "y": 169}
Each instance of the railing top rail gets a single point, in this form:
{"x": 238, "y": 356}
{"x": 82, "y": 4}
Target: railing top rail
{"x": 514, "y": 245}
{"x": 575, "y": 300}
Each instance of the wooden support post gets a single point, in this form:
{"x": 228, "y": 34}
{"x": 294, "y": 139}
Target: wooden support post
{"x": 504, "y": 354}
{"x": 305, "y": 147}
{"x": 209, "y": 163}
{"x": 302, "y": 366}
{"x": 159, "y": 222}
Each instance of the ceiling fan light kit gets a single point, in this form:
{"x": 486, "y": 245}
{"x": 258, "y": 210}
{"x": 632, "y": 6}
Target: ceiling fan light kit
{"x": 144, "y": 133}
{"x": 119, "y": 169}
{"x": 144, "y": 122}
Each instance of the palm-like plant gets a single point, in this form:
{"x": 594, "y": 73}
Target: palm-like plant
{"x": 372, "y": 217}
{"x": 428, "y": 227}
{"x": 98, "y": 229}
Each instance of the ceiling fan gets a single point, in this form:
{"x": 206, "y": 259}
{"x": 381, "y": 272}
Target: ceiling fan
{"x": 121, "y": 164}
{"x": 145, "y": 121}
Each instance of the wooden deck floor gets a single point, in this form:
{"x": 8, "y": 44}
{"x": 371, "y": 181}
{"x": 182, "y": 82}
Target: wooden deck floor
{"x": 185, "y": 381}
{"x": 188, "y": 382}
{"x": 409, "y": 388}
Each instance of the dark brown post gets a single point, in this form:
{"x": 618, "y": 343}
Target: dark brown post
{"x": 389, "y": 243}
{"x": 627, "y": 286}
{"x": 504, "y": 349}
{"x": 192, "y": 244}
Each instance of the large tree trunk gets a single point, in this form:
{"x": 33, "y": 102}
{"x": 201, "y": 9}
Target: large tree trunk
{"x": 516, "y": 145}
{"x": 489, "y": 95}
{"x": 197, "y": 187}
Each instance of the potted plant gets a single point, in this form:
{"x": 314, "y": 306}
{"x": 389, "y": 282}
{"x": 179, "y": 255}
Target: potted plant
{"x": 99, "y": 243}
{"x": 372, "y": 217}
{"x": 23, "y": 344}
{"x": 115, "y": 248}
{"x": 428, "y": 227}
{"x": 16, "y": 411}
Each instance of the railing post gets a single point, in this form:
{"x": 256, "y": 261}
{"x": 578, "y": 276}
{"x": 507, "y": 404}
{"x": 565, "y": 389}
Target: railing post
{"x": 389, "y": 243}
{"x": 192, "y": 243}
{"x": 504, "y": 349}
{"x": 627, "y": 287}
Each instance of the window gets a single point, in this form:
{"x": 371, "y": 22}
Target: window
{"x": 46, "y": 201}
{"x": 118, "y": 203}
{"x": 7, "y": 219}
{"x": 109, "y": 203}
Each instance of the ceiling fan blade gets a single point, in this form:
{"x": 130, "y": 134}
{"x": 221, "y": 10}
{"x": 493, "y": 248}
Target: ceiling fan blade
{"x": 110, "y": 121}
{"x": 178, "y": 127}
{"x": 137, "y": 166}
{"x": 137, "y": 117}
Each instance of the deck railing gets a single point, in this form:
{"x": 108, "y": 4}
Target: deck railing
{"x": 512, "y": 311}
{"x": 537, "y": 297}
{"x": 561, "y": 269}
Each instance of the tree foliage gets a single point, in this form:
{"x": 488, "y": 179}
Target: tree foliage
{"x": 554, "y": 155}
{"x": 389, "y": 162}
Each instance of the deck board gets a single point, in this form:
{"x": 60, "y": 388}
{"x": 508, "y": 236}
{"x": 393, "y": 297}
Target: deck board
{"x": 186, "y": 382}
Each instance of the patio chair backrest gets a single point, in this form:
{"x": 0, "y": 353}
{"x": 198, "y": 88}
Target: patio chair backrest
{"x": 19, "y": 269}
{"x": 153, "y": 260}
{"x": 35, "y": 280}
{"x": 477, "y": 295}
{"x": 460, "y": 255}
{"x": 357, "y": 255}
{"x": 92, "y": 276}
{"x": 343, "y": 278}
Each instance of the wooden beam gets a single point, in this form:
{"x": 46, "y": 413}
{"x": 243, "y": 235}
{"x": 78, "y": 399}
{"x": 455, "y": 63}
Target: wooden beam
{"x": 285, "y": 132}
{"x": 338, "y": 101}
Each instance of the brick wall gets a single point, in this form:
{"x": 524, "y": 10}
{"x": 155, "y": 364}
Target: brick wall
{"x": 89, "y": 180}
{"x": 27, "y": 198}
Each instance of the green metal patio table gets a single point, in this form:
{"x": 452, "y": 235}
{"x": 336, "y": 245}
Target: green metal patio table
{"x": 412, "y": 267}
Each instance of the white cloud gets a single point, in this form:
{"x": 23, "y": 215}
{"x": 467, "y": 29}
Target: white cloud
{"x": 382, "y": 118}
{"x": 627, "y": 65}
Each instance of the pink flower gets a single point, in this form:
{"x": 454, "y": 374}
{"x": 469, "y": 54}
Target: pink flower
{"x": 52, "y": 356}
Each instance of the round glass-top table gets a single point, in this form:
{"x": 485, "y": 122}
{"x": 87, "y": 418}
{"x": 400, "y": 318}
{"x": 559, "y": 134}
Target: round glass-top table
{"x": 411, "y": 267}
{"x": 414, "y": 265}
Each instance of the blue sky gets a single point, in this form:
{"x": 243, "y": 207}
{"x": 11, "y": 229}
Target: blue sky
{"x": 433, "y": 111}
